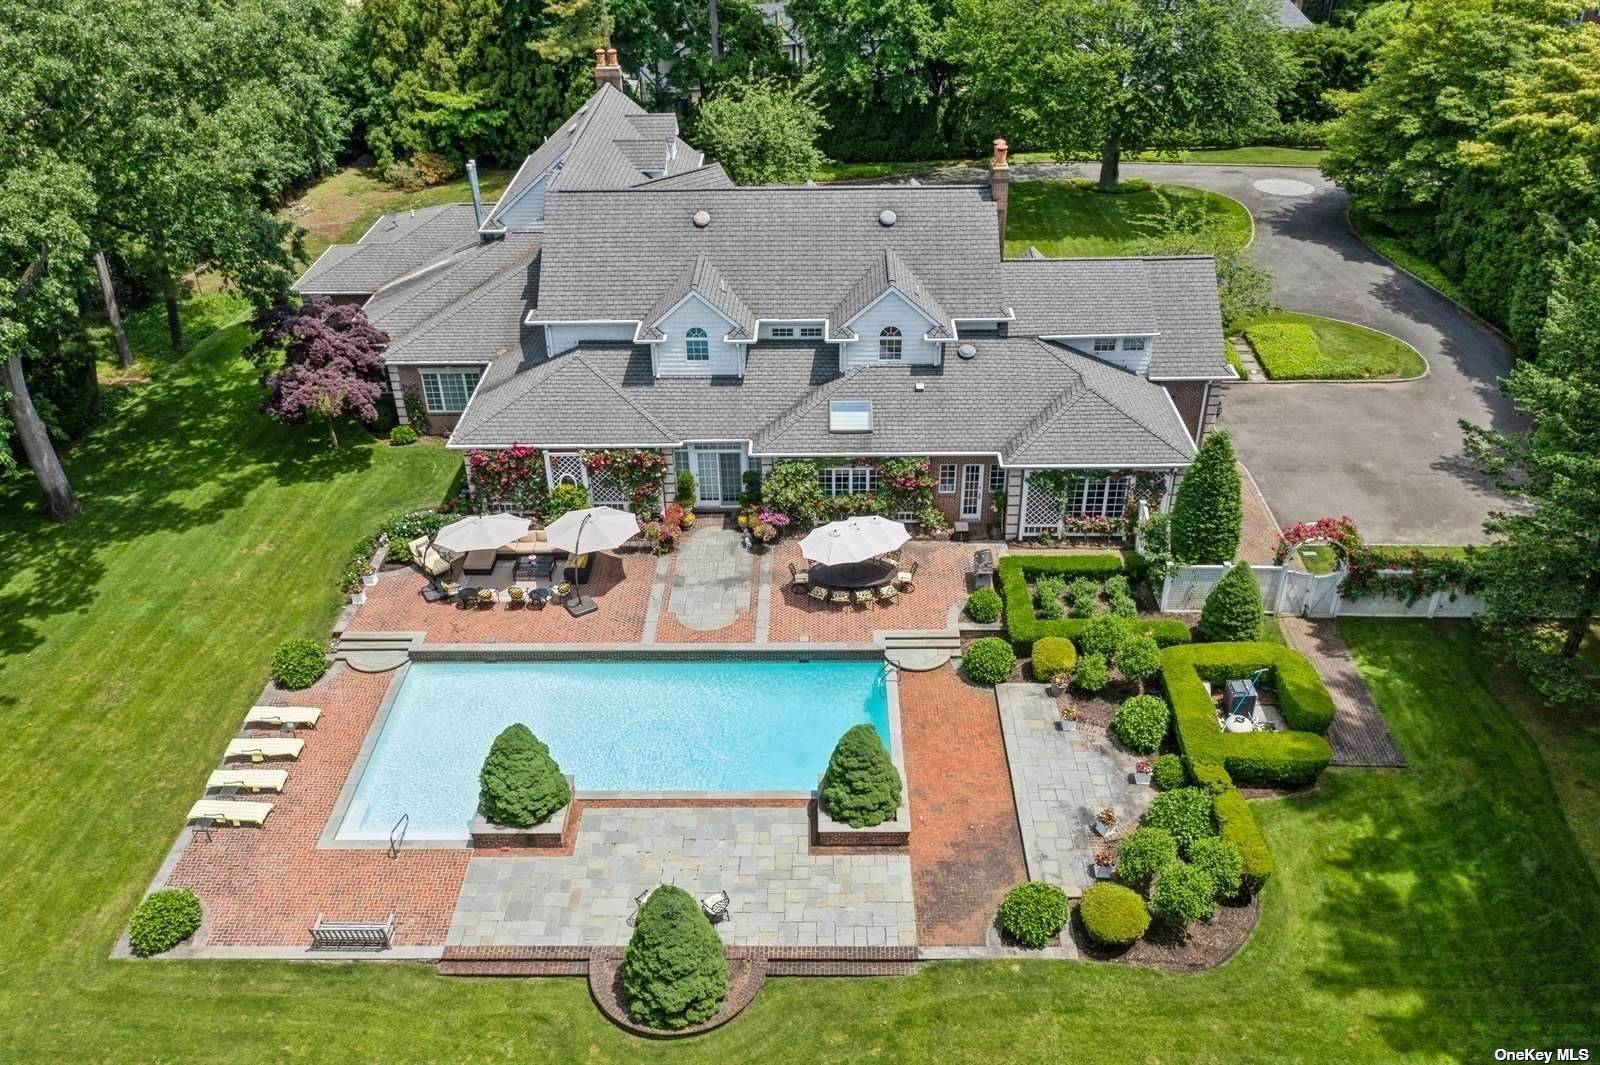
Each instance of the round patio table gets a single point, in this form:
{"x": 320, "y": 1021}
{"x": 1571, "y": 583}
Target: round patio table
{"x": 873, "y": 573}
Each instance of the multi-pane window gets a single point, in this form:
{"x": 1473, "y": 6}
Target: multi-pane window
{"x": 782, "y": 332}
{"x": 997, "y": 478}
{"x": 811, "y": 332}
{"x": 947, "y": 478}
{"x": 1133, "y": 344}
{"x": 889, "y": 344}
{"x": 849, "y": 480}
{"x": 447, "y": 391}
{"x": 696, "y": 348}
{"x": 1105, "y": 343}
{"x": 1100, "y": 497}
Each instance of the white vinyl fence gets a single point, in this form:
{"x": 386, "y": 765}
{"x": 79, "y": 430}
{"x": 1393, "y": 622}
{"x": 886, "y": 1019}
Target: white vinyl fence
{"x": 1295, "y": 592}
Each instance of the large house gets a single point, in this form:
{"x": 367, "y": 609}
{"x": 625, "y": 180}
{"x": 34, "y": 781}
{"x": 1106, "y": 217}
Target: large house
{"x": 624, "y": 293}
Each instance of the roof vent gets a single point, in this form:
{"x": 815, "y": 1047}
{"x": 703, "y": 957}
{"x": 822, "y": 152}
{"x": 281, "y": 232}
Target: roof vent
{"x": 886, "y": 217}
{"x": 967, "y": 351}
{"x": 919, "y": 387}
{"x": 702, "y": 219}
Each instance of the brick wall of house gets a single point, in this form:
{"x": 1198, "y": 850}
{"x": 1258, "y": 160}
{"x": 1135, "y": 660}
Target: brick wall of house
{"x": 950, "y": 503}
{"x": 1190, "y": 399}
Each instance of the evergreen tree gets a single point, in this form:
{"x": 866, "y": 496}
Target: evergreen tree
{"x": 861, "y": 787}
{"x": 1233, "y": 610}
{"x": 1207, "y": 514}
{"x": 674, "y": 973}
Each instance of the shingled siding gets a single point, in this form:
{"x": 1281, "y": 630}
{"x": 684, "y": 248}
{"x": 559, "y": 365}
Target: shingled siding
{"x": 1190, "y": 399}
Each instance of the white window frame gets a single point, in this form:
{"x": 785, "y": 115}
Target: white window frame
{"x": 849, "y": 480}
{"x": 433, "y": 389}
{"x": 971, "y": 500}
{"x": 783, "y": 332}
{"x": 811, "y": 332}
{"x": 1105, "y": 344}
{"x": 947, "y": 479}
{"x": 1133, "y": 343}
{"x": 1099, "y": 497}
{"x": 696, "y": 345}
{"x": 997, "y": 478}
{"x": 891, "y": 344}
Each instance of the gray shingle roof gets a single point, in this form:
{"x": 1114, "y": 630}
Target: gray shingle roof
{"x": 1185, "y": 296}
{"x": 470, "y": 311}
{"x": 710, "y": 176}
{"x": 395, "y": 245}
{"x": 604, "y": 394}
{"x": 1290, "y": 17}
{"x": 706, "y": 281}
{"x": 793, "y": 252}
{"x": 888, "y": 271}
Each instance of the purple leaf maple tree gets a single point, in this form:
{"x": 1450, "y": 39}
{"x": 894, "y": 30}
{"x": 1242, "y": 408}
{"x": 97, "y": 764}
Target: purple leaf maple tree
{"x": 332, "y": 361}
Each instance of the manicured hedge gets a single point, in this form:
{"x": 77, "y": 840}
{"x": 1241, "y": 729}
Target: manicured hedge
{"x": 1237, "y": 825}
{"x": 1141, "y": 722}
{"x": 983, "y": 606}
{"x": 1032, "y": 913}
{"x": 1023, "y": 626}
{"x": 1053, "y": 656}
{"x": 1168, "y": 773}
{"x": 989, "y": 660}
{"x": 1257, "y": 758}
{"x": 1286, "y": 349}
{"x": 1113, "y": 915}
{"x": 298, "y": 663}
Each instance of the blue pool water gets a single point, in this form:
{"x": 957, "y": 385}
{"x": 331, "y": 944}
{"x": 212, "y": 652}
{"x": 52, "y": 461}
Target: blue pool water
{"x": 750, "y": 725}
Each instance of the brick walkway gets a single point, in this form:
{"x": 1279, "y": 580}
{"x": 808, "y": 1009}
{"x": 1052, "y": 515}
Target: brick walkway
{"x": 941, "y": 580}
{"x": 1259, "y": 537}
{"x": 965, "y": 848}
{"x": 1359, "y": 735}
{"x": 266, "y": 886}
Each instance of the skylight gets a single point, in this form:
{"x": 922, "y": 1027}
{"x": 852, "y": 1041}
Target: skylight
{"x": 850, "y": 416}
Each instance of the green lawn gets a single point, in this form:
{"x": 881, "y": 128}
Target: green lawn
{"x": 1391, "y": 247}
{"x": 1259, "y": 155}
{"x": 1066, "y": 219}
{"x": 341, "y": 208}
{"x": 1305, "y": 347}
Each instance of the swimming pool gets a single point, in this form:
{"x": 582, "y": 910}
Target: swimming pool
{"x": 618, "y": 725}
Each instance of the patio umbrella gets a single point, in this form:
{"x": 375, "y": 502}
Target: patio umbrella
{"x": 481, "y": 532}
{"x": 590, "y": 529}
{"x": 853, "y": 540}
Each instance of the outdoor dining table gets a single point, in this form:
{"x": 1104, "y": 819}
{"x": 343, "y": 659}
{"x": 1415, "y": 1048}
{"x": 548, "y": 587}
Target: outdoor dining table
{"x": 873, "y": 573}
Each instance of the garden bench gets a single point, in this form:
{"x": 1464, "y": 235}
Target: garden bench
{"x": 346, "y": 935}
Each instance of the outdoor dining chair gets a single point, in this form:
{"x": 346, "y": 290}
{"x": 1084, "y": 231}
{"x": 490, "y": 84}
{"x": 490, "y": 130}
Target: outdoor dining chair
{"x": 839, "y": 595}
{"x": 864, "y": 596}
{"x": 888, "y": 593}
{"x": 907, "y": 578}
{"x": 799, "y": 578}
{"x": 819, "y": 593}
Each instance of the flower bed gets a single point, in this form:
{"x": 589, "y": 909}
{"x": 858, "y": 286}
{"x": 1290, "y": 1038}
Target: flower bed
{"x": 1024, "y": 626}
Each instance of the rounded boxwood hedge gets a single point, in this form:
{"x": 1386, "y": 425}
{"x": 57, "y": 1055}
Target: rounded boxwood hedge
{"x": 674, "y": 973}
{"x": 1219, "y": 859}
{"x": 1183, "y": 894}
{"x": 1184, "y": 812}
{"x": 1053, "y": 656}
{"x": 1144, "y": 854}
{"x": 520, "y": 784}
{"x": 401, "y": 435}
{"x": 163, "y": 920}
{"x": 1091, "y": 674}
{"x": 1102, "y": 635}
{"x": 1138, "y": 657}
{"x": 983, "y": 606}
{"x": 1141, "y": 722}
{"x": 1167, "y": 773}
{"x": 1113, "y": 915}
{"x": 1032, "y": 913}
{"x": 861, "y": 786}
{"x": 298, "y": 663}
{"x": 989, "y": 660}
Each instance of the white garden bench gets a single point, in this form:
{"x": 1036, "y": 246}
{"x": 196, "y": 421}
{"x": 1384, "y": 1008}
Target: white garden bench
{"x": 345, "y": 935}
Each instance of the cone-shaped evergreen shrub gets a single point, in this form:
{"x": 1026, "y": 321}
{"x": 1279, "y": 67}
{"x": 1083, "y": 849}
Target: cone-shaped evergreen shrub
{"x": 1232, "y": 613}
{"x": 861, "y": 786}
{"x": 674, "y": 973}
{"x": 520, "y": 784}
{"x": 1207, "y": 515}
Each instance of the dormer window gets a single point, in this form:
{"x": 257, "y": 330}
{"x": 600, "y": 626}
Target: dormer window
{"x": 889, "y": 344}
{"x": 696, "y": 347}
{"x": 1133, "y": 344}
{"x": 1105, "y": 343}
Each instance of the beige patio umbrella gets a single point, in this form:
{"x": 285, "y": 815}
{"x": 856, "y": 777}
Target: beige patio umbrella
{"x": 480, "y": 532}
{"x": 853, "y": 540}
{"x": 590, "y": 529}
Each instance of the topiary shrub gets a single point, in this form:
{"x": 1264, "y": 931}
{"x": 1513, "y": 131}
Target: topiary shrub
{"x": 674, "y": 973}
{"x": 1112, "y": 915}
{"x": 1233, "y": 611}
{"x": 163, "y": 920}
{"x": 520, "y": 784}
{"x": 401, "y": 435}
{"x": 1032, "y": 913}
{"x": 1167, "y": 773}
{"x": 1138, "y": 657}
{"x": 1085, "y": 596}
{"x": 989, "y": 660}
{"x": 1207, "y": 514}
{"x": 688, "y": 496}
{"x": 1141, "y": 722}
{"x": 861, "y": 786}
{"x": 1219, "y": 859}
{"x": 1053, "y": 656}
{"x": 1183, "y": 894}
{"x": 298, "y": 663}
{"x": 1237, "y": 824}
{"x": 1184, "y": 812}
{"x": 983, "y": 606}
{"x": 1092, "y": 673}
{"x": 1101, "y": 636}
{"x": 1144, "y": 854}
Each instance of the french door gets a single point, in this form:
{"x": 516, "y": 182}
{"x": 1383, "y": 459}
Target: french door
{"x": 718, "y": 473}
{"x": 971, "y": 492}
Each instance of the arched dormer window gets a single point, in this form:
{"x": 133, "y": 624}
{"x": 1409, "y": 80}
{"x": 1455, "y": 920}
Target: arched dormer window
{"x": 889, "y": 344}
{"x": 696, "y": 348}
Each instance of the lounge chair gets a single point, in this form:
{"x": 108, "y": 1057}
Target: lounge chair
{"x": 716, "y": 906}
{"x": 819, "y": 593}
{"x": 888, "y": 593}
{"x": 282, "y": 716}
{"x": 839, "y": 595}
{"x": 799, "y": 578}
{"x": 638, "y": 903}
{"x": 907, "y": 578}
{"x": 228, "y": 812}
{"x": 260, "y": 748}
{"x": 580, "y": 568}
{"x": 434, "y": 561}
{"x": 247, "y": 779}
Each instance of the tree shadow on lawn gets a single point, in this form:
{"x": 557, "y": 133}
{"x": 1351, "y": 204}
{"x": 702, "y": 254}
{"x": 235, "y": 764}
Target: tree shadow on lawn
{"x": 1455, "y": 890}
{"x": 178, "y": 454}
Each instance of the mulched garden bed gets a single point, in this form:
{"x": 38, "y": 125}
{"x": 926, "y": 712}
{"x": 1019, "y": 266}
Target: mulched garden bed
{"x": 1202, "y": 945}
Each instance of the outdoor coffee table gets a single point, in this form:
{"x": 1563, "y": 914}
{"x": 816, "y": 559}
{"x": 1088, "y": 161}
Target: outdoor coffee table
{"x": 850, "y": 576}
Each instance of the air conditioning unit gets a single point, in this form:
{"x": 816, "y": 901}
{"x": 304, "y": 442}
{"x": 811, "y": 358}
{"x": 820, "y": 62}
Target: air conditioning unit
{"x": 1240, "y": 698}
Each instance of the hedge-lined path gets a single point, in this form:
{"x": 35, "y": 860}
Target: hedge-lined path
{"x": 966, "y": 850}
{"x": 1359, "y": 736}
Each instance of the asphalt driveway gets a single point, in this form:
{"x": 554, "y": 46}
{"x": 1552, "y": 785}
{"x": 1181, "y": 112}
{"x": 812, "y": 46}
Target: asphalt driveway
{"x": 1388, "y": 455}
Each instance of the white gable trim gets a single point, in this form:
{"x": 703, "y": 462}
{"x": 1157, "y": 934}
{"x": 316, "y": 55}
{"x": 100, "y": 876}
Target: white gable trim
{"x": 692, "y": 294}
{"x": 907, "y": 300}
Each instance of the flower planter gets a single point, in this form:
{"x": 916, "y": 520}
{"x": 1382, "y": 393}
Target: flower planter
{"x": 357, "y": 598}
{"x": 1104, "y": 830}
{"x": 831, "y": 833}
{"x": 1141, "y": 778}
{"x": 1102, "y": 872}
{"x": 549, "y": 835}
{"x": 369, "y": 580}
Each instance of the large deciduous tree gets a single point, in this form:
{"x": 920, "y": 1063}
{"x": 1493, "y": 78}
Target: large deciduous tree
{"x": 762, "y": 131}
{"x": 1100, "y": 78}
{"x": 1542, "y": 576}
{"x": 332, "y": 362}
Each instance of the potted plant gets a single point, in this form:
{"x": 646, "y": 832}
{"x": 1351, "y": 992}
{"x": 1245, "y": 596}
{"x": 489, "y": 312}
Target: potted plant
{"x": 485, "y": 598}
{"x": 1105, "y": 864}
{"x": 1105, "y": 822}
{"x": 515, "y": 595}
{"x": 688, "y": 519}
{"x": 1141, "y": 772}
{"x": 1069, "y": 719}
{"x": 369, "y": 578}
{"x": 1058, "y": 685}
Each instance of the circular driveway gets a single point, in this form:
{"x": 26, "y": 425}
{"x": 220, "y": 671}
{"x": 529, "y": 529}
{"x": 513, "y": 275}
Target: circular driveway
{"x": 1388, "y": 455}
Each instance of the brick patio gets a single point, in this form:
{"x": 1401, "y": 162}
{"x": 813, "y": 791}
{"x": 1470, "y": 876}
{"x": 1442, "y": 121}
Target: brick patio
{"x": 965, "y": 848}
{"x": 941, "y": 582}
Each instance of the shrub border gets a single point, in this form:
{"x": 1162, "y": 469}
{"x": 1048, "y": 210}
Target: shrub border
{"x": 1023, "y": 625}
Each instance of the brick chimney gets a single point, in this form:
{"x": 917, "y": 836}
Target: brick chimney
{"x": 1000, "y": 186}
{"x": 607, "y": 71}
